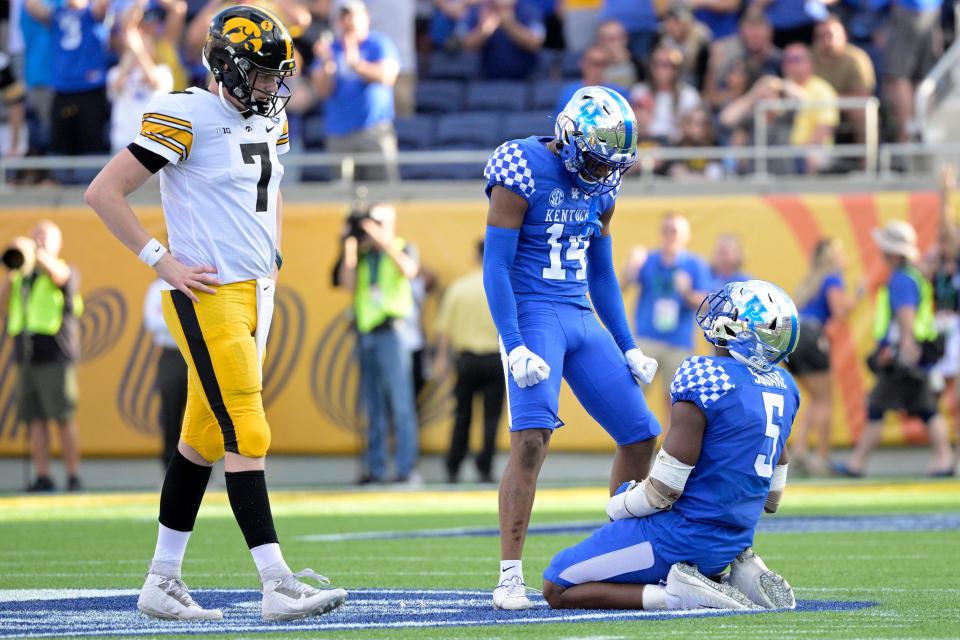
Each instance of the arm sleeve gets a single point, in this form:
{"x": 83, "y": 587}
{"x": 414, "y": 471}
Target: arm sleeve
{"x": 152, "y": 161}
{"x": 605, "y": 291}
{"x": 499, "y": 250}
{"x": 166, "y": 130}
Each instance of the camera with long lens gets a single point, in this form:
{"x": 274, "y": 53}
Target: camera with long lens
{"x": 13, "y": 258}
{"x": 18, "y": 255}
{"x": 359, "y": 211}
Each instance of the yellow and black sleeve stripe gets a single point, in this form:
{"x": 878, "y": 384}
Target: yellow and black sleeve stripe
{"x": 175, "y": 134}
{"x": 284, "y": 135}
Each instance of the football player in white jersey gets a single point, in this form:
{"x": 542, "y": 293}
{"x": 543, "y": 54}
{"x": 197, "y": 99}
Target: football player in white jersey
{"x": 217, "y": 153}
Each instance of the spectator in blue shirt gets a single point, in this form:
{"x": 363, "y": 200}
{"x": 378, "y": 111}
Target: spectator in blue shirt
{"x": 822, "y": 300}
{"x": 640, "y": 19}
{"x": 508, "y": 34}
{"x": 906, "y": 333}
{"x": 37, "y": 65}
{"x": 720, "y": 16}
{"x": 593, "y": 63}
{"x": 355, "y": 75}
{"x": 726, "y": 265}
{"x": 80, "y": 112}
{"x": 672, "y": 284}
{"x": 793, "y": 20}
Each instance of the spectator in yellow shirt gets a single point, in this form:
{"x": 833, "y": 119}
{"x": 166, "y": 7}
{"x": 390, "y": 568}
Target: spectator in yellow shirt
{"x": 814, "y": 124}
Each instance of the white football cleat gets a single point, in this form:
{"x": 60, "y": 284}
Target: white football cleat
{"x": 286, "y": 598}
{"x": 749, "y": 574}
{"x": 687, "y": 588}
{"x": 169, "y": 599}
{"x": 511, "y": 595}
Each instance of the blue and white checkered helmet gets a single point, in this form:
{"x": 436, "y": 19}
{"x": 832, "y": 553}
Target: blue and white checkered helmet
{"x": 597, "y": 132}
{"x": 755, "y": 320}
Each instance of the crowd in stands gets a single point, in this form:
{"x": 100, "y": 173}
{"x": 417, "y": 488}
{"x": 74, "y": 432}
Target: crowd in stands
{"x": 387, "y": 75}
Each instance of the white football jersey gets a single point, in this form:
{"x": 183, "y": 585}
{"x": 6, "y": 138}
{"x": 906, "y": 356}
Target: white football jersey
{"x": 220, "y": 188}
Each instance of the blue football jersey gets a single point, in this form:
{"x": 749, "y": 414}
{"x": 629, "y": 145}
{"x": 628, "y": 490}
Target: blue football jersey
{"x": 551, "y": 259}
{"x": 749, "y": 416}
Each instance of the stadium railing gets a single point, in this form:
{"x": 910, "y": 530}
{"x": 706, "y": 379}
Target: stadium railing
{"x": 939, "y": 83}
{"x": 868, "y": 151}
{"x": 880, "y": 161}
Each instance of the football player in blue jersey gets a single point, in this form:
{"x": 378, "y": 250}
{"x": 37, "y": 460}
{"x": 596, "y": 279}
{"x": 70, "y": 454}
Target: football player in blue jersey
{"x": 722, "y": 463}
{"x": 547, "y": 245}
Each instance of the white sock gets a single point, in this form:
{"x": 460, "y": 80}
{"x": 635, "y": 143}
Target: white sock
{"x": 510, "y": 568}
{"x": 654, "y": 597}
{"x": 269, "y": 561}
{"x": 168, "y": 556}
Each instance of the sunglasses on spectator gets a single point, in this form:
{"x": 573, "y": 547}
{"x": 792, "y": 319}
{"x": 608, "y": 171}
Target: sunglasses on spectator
{"x": 663, "y": 62}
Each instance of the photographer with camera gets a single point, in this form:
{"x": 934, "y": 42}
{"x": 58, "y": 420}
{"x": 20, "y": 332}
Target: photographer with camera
{"x": 378, "y": 267}
{"x": 907, "y": 347}
{"x": 43, "y": 306}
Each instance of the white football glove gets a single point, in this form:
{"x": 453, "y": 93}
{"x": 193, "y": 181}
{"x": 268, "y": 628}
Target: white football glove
{"x": 643, "y": 368}
{"x": 526, "y": 367}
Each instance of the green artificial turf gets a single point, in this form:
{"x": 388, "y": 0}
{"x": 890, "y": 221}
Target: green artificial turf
{"x": 105, "y": 541}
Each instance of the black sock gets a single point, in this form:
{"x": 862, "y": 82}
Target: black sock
{"x": 247, "y": 491}
{"x": 182, "y": 493}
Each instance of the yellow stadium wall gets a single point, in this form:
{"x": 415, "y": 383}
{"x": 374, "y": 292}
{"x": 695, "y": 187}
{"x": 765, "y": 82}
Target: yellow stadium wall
{"x": 311, "y": 378}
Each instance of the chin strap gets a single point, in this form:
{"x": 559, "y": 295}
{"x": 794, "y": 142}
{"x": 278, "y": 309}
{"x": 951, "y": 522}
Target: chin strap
{"x": 227, "y": 105}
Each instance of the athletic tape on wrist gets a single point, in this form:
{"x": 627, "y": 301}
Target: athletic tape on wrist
{"x": 152, "y": 252}
{"x": 779, "y": 479}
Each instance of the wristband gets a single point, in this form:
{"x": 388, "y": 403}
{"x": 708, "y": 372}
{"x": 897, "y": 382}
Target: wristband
{"x": 152, "y": 252}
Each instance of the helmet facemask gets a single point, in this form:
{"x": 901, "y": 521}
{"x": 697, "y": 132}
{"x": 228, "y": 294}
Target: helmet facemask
{"x": 595, "y": 174}
{"x": 245, "y": 82}
{"x": 746, "y": 340}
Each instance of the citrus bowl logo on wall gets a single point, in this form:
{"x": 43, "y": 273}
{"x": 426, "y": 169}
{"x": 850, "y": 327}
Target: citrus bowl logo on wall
{"x": 243, "y": 31}
{"x": 556, "y": 198}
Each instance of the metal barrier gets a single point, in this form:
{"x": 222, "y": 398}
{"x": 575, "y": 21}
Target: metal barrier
{"x": 869, "y": 150}
{"x": 938, "y": 82}
{"x": 878, "y": 160}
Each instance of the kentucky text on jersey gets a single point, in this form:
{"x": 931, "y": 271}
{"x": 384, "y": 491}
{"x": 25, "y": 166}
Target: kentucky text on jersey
{"x": 551, "y": 258}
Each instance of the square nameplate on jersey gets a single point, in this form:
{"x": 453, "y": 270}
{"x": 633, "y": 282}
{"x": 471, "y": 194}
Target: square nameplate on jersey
{"x": 563, "y": 212}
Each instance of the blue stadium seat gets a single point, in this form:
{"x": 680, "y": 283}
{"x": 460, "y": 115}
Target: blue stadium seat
{"x": 453, "y": 66}
{"x": 528, "y": 123}
{"x": 415, "y": 133}
{"x": 570, "y": 67}
{"x": 469, "y": 131}
{"x": 477, "y": 130}
{"x": 313, "y": 136}
{"x": 494, "y": 95}
{"x": 439, "y": 96}
{"x": 545, "y": 94}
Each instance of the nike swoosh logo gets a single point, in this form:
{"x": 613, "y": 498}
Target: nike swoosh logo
{"x": 507, "y": 569}
{"x": 269, "y": 129}
{"x": 157, "y": 250}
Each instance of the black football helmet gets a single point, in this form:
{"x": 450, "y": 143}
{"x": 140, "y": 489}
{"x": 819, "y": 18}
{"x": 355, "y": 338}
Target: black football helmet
{"x": 244, "y": 44}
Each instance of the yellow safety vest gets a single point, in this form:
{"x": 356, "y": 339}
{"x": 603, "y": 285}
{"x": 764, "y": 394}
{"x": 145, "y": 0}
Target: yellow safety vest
{"x": 43, "y": 314}
{"x": 924, "y": 326}
{"x": 391, "y": 297}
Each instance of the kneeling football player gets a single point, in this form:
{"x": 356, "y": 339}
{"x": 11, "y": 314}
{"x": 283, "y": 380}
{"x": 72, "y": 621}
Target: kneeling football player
{"x": 722, "y": 464}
